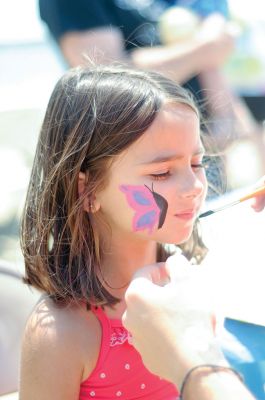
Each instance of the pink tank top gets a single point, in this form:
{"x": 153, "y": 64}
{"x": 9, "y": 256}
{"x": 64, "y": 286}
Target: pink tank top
{"x": 119, "y": 372}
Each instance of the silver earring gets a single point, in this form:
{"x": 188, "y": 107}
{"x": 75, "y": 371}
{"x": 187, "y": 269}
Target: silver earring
{"x": 92, "y": 207}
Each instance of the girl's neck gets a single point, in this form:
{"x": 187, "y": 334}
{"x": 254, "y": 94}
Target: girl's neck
{"x": 122, "y": 259}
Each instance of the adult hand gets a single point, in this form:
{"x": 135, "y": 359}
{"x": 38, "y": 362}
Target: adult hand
{"x": 172, "y": 326}
{"x": 259, "y": 201}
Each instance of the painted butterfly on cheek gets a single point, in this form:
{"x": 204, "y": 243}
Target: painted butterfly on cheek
{"x": 150, "y": 207}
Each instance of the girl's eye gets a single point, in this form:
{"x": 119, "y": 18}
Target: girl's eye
{"x": 197, "y": 166}
{"x": 202, "y": 164}
{"x": 158, "y": 177}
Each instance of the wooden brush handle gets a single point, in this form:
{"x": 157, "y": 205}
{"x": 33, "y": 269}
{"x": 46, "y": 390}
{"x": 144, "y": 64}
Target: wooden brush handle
{"x": 258, "y": 192}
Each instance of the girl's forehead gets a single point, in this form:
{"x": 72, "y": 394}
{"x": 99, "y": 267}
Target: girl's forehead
{"x": 177, "y": 125}
{"x": 174, "y": 132}
{"x": 176, "y": 113}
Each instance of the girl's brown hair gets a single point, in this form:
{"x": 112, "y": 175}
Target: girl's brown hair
{"x": 93, "y": 114}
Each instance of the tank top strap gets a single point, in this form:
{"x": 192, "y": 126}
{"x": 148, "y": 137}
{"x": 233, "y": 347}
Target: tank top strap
{"x": 104, "y": 319}
{"x": 105, "y": 334}
{"x": 101, "y": 316}
{"x": 113, "y": 331}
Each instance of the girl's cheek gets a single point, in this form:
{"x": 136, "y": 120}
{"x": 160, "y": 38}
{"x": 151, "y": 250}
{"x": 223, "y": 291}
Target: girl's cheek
{"x": 205, "y": 185}
{"x": 149, "y": 206}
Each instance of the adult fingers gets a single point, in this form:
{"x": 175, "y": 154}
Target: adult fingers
{"x": 155, "y": 273}
{"x": 178, "y": 267}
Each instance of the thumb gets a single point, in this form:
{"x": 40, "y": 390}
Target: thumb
{"x": 258, "y": 203}
{"x": 155, "y": 273}
{"x": 145, "y": 285}
{"x": 146, "y": 282}
{"x": 177, "y": 267}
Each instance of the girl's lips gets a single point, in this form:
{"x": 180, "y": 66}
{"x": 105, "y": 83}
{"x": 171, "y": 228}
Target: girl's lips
{"x": 186, "y": 215}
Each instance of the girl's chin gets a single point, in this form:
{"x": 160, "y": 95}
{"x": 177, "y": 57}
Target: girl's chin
{"x": 180, "y": 238}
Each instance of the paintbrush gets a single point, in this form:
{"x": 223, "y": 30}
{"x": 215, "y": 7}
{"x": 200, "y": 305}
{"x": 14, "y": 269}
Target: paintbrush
{"x": 258, "y": 192}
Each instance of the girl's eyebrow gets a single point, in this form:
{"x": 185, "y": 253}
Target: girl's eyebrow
{"x": 173, "y": 157}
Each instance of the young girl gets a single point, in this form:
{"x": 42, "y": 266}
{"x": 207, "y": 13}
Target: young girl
{"x": 118, "y": 173}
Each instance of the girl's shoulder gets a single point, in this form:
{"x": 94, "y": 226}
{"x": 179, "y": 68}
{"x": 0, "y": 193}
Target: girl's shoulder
{"x": 64, "y": 333}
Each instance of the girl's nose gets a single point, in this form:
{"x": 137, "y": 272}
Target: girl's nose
{"x": 193, "y": 186}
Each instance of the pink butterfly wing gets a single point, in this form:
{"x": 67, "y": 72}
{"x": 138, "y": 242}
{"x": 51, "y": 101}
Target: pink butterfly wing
{"x": 141, "y": 200}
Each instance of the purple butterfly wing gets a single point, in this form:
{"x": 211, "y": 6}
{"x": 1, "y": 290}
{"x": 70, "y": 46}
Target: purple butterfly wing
{"x": 141, "y": 200}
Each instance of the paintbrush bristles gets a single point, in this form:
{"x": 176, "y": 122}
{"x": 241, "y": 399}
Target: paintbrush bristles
{"x": 210, "y": 212}
{"x": 205, "y": 214}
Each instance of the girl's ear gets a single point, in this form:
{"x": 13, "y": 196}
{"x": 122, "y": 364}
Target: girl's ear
{"x": 90, "y": 204}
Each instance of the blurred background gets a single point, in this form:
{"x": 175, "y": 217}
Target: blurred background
{"x": 30, "y": 65}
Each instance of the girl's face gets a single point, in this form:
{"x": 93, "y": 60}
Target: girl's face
{"x": 157, "y": 186}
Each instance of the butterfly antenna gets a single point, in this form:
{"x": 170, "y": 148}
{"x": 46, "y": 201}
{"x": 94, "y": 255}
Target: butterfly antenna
{"x": 151, "y": 190}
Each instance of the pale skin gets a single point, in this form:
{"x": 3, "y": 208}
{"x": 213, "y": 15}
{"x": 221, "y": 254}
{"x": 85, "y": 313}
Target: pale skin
{"x": 172, "y": 327}
{"x": 68, "y": 340}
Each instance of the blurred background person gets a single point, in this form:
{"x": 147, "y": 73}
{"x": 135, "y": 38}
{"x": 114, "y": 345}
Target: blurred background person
{"x": 190, "y": 47}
